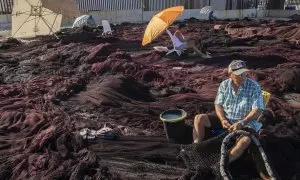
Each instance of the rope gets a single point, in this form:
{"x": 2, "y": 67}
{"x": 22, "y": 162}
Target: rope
{"x": 224, "y": 154}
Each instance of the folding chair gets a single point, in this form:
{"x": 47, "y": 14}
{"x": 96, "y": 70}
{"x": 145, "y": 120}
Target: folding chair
{"x": 179, "y": 52}
{"x": 266, "y": 95}
{"x": 106, "y": 27}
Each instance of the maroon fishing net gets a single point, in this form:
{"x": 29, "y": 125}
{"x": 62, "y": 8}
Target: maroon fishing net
{"x": 50, "y": 89}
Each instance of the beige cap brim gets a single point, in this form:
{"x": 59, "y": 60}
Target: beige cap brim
{"x": 240, "y": 71}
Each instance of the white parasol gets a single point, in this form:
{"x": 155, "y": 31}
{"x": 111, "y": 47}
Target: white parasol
{"x": 206, "y": 10}
{"x": 31, "y": 18}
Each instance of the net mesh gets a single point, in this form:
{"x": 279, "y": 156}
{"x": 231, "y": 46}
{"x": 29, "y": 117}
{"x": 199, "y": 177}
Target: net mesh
{"x": 202, "y": 160}
{"x": 209, "y": 159}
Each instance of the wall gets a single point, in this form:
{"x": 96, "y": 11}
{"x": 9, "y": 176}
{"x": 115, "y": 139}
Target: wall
{"x": 67, "y": 22}
{"x": 5, "y": 18}
{"x": 282, "y": 13}
{"x": 5, "y": 21}
{"x": 218, "y": 5}
{"x": 108, "y": 5}
{"x": 118, "y": 16}
{"x": 240, "y": 14}
{"x": 137, "y": 16}
{"x": 156, "y": 5}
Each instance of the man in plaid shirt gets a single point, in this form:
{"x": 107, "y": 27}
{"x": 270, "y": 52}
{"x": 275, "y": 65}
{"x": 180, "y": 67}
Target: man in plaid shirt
{"x": 238, "y": 103}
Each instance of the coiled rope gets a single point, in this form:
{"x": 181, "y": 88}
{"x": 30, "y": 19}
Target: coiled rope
{"x": 224, "y": 153}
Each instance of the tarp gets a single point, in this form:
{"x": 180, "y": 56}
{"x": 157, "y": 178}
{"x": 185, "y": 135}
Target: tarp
{"x": 84, "y": 20}
{"x": 206, "y": 10}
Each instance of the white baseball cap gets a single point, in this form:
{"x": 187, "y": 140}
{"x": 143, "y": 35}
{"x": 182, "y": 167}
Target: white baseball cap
{"x": 237, "y": 67}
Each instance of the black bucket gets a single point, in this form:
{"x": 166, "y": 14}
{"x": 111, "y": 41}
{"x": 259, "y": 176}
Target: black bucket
{"x": 175, "y": 127}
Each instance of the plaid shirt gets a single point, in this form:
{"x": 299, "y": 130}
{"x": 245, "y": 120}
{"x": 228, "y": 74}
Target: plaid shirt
{"x": 238, "y": 106}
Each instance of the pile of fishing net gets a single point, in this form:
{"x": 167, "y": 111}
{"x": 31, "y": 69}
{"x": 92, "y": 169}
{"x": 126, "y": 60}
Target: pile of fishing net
{"x": 36, "y": 135}
{"x": 288, "y": 32}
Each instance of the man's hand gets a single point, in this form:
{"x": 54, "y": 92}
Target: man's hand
{"x": 235, "y": 127}
{"x": 225, "y": 124}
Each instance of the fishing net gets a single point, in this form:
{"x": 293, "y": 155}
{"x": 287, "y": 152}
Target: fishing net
{"x": 202, "y": 160}
{"x": 209, "y": 159}
{"x": 50, "y": 89}
{"x": 245, "y": 30}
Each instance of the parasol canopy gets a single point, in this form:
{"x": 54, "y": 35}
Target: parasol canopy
{"x": 30, "y": 18}
{"x": 66, "y": 8}
{"x": 161, "y": 22}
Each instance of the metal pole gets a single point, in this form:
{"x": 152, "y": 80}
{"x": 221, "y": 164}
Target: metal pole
{"x": 143, "y": 3}
{"x": 2, "y": 8}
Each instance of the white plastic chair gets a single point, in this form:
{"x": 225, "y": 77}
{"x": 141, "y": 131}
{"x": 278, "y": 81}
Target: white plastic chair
{"x": 106, "y": 27}
{"x": 179, "y": 52}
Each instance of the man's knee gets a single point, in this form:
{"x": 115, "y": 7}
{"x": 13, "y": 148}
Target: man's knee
{"x": 244, "y": 142}
{"x": 201, "y": 119}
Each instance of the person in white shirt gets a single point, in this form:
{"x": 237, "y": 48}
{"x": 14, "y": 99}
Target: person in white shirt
{"x": 182, "y": 43}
